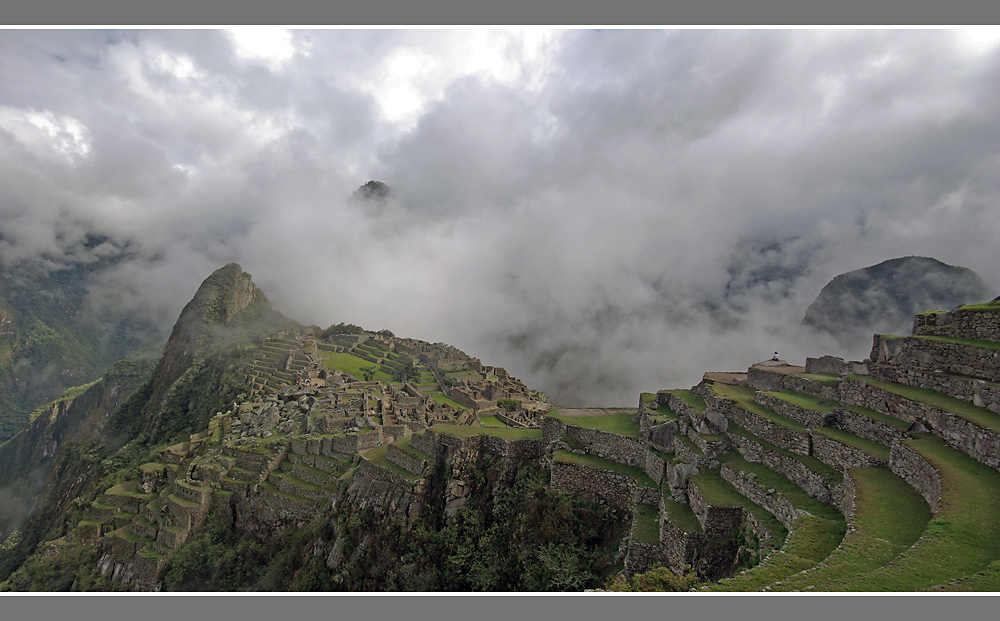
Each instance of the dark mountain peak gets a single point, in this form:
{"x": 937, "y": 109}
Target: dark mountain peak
{"x": 883, "y": 298}
{"x": 372, "y": 191}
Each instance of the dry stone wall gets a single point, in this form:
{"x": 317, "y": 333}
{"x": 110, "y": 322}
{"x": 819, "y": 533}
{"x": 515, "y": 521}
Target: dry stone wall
{"x": 868, "y": 428}
{"x": 792, "y": 469}
{"x": 405, "y": 461}
{"x": 978, "y": 392}
{"x": 789, "y": 439}
{"x": 809, "y": 418}
{"x": 715, "y": 521}
{"x": 774, "y": 503}
{"x": 977, "y": 442}
{"x": 918, "y": 472}
{"x": 595, "y": 484}
{"x": 841, "y": 456}
{"x": 678, "y": 546}
{"x": 915, "y": 352}
{"x": 773, "y": 381}
{"x": 984, "y": 325}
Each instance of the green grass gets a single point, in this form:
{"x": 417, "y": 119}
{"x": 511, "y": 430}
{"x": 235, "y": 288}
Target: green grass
{"x": 743, "y": 396}
{"x": 349, "y": 363}
{"x": 868, "y": 446}
{"x": 889, "y": 517}
{"x": 690, "y": 399}
{"x": 963, "y": 409}
{"x": 642, "y": 479}
{"x": 449, "y": 401}
{"x": 686, "y": 441}
{"x": 379, "y": 457}
{"x": 885, "y": 419}
{"x": 962, "y": 539}
{"x": 491, "y": 421}
{"x": 646, "y": 398}
{"x": 812, "y": 539}
{"x": 682, "y": 516}
{"x": 832, "y": 476}
{"x": 718, "y": 493}
{"x": 507, "y": 433}
{"x": 647, "y": 524}
{"x": 795, "y": 494}
{"x": 985, "y": 306}
{"x": 620, "y": 423}
{"x": 806, "y": 402}
{"x": 404, "y": 445}
{"x": 960, "y": 341}
{"x": 272, "y": 488}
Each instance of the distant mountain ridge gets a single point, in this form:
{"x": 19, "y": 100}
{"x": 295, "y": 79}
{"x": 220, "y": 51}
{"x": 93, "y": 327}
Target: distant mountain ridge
{"x": 883, "y": 298}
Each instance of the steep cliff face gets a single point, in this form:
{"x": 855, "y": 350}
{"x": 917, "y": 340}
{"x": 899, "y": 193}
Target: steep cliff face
{"x": 27, "y": 459}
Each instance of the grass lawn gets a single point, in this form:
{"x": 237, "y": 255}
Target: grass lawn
{"x": 404, "y": 445}
{"x": 832, "y": 476}
{"x": 795, "y": 494}
{"x": 448, "y": 401}
{"x": 963, "y": 538}
{"x": 690, "y": 398}
{"x": 960, "y": 341}
{"x": 379, "y": 457}
{"x": 507, "y": 433}
{"x": 642, "y": 479}
{"x": 885, "y": 419}
{"x": 744, "y": 399}
{"x": 682, "y": 516}
{"x": 806, "y": 402}
{"x": 889, "y": 517}
{"x": 976, "y": 415}
{"x": 647, "y": 524}
{"x": 491, "y": 421}
{"x": 718, "y": 493}
{"x": 349, "y": 363}
{"x": 620, "y": 423}
{"x": 872, "y": 448}
{"x": 812, "y": 539}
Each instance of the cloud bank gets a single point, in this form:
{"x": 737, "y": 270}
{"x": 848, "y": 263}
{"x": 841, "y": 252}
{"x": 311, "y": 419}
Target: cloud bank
{"x": 601, "y": 212}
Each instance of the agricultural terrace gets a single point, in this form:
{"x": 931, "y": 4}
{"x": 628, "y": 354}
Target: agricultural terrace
{"x": 613, "y": 420}
{"x": 349, "y": 363}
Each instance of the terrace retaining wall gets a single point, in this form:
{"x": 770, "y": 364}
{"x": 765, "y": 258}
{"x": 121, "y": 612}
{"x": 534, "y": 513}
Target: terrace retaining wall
{"x": 774, "y": 503}
{"x": 980, "y": 325}
{"x": 595, "y": 484}
{"x": 918, "y": 472}
{"x": 967, "y": 360}
{"x": 977, "y": 392}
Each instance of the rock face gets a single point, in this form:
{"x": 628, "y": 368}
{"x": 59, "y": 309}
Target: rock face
{"x": 884, "y": 298}
{"x": 373, "y": 191}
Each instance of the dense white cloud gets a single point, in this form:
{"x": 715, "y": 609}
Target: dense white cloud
{"x": 602, "y": 212}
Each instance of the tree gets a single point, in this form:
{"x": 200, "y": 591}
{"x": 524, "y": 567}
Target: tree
{"x": 369, "y": 372}
{"x": 407, "y": 373}
{"x": 508, "y": 404}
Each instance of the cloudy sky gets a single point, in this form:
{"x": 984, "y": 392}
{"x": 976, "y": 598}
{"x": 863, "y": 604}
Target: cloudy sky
{"x": 601, "y": 212}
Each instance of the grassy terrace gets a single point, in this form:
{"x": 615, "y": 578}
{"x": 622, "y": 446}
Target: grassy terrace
{"x": 682, "y": 516}
{"x": 868, "y": 446}
{"x": 620, "y": 422}
{"x": 379, "y": 457}
{"x": 349, "y": 363}
{"x": 963, "y": 409}
{"x": 272, "y": 488}
{"x": 690, "y": 398}
{"x": 507, "y": 433}
{"x": 795, "y": 494}
{"x": 885, "y": 419}
{"x": 129, "y": 488}
{"x": 960, "y": 341}
{"x": 829, "y": 380}
{"x": 963, "y": 538}
{"x": 744, "y": 399}
{"x": 804, "y": 401}
{"x": 718, "y": 493}
{"x": 830, "y": 475}
{"x": 686, "y": 441}
{"x": 812, "y": 540}
{"x": 404, "y": 445}
{"x": 647, "y": 524}
{"x": 642, "y": 479}
{"x": 446, "y": 400}
{"x": 491, "y": 421}
{"x": 889, "y": 517}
